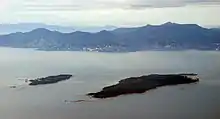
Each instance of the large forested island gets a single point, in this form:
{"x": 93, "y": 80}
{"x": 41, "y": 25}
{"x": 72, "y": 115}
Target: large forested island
{"x": 143, "y": 84}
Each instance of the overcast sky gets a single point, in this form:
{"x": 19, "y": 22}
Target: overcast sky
{"x": 110, "y": 12}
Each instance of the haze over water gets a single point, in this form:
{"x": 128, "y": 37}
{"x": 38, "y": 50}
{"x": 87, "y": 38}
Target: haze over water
{"x": 92, "y": 71}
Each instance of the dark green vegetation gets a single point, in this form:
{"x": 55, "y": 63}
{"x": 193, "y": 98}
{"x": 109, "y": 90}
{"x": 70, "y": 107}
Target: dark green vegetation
{"x": 50, "y": 79}
{"x": 144, "y": 83}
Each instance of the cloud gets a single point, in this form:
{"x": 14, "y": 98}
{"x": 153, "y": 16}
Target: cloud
{"x": 63, "y": 7}
{"x": 69, "y": 5}
{"x": 140, "y": 4}
{"x": 73, "y": 5}
{"x": 110, "y": 12}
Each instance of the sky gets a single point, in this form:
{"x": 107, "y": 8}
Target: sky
{"x": 110, "y": 12}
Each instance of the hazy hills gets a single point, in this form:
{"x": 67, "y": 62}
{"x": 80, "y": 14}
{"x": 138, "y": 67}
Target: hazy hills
{"x": 168, "y": 36}
{"x": 27, "y": 27}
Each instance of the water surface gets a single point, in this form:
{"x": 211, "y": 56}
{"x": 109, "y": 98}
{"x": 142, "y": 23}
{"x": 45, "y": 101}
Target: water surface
{"x": 93, "y": 70}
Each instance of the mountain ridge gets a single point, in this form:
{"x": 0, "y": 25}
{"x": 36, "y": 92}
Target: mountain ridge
{"x": 167, "y": 36}
{"x": 27, "y": 27}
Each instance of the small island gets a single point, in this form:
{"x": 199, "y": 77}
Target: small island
{"x": 144, "y": 83}
{"x": 50, "y": 79}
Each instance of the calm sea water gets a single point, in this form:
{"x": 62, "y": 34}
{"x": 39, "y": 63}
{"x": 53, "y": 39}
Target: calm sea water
{"x": 92, "y": 71}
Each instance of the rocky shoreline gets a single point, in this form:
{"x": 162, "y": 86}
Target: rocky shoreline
{"x": 144, "y": 83}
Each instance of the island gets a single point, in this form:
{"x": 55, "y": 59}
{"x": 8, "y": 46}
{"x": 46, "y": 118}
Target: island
{"x": 49, "y": 79}
{"x": 144, "y": 83}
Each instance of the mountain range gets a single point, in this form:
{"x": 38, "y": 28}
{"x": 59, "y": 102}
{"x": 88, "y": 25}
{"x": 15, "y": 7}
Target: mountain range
{"x": 168, "y": 36}
{"x": 26, "y": 27}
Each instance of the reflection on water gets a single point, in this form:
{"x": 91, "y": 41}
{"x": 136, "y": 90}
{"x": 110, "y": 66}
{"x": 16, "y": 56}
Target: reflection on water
{"x": 92, "y": 71}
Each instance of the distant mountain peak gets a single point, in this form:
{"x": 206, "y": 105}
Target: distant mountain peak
{"x": 27, "y": 27}
{"x": 176, "y": 24}
{"x": 161, "y": 25}
{"x": 41, "y": 30}
{"x": 103, "y": 31}
{"x": 80, "y": 32}
{"x": 170, "y": 23}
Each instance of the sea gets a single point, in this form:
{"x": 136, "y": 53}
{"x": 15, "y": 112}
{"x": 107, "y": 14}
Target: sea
{"x": 94, "y": 70}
